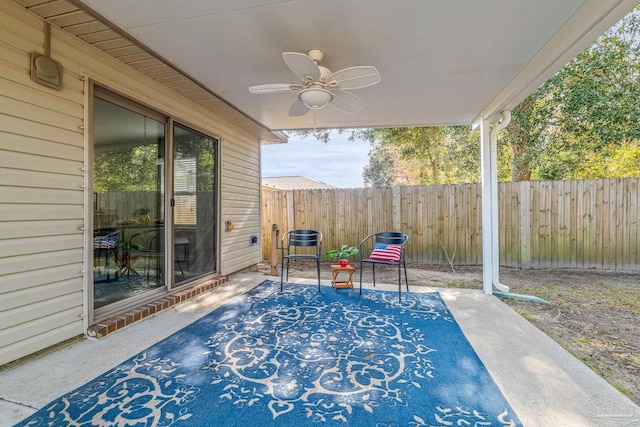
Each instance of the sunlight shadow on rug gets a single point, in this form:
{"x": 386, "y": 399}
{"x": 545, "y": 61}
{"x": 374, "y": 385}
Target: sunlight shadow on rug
{"x": 294, "y": 358}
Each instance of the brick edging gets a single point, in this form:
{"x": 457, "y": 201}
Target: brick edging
{"x": 135, "y": 314}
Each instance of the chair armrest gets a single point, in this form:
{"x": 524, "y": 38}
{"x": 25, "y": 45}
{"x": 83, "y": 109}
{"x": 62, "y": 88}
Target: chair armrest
{"x": 363, "y": 242}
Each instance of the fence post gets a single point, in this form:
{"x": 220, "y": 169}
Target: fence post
{"x": 274, "y": 249}
{"x": 525, "y": 224}
{"x": 291, "y": 206}
{"x": 395, "y": 208}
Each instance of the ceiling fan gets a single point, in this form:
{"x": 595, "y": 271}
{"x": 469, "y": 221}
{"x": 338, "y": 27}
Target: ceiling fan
{"x": 320, "y": 87}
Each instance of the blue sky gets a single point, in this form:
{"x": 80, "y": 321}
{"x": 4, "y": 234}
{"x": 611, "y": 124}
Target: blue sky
{"x": 338, "y": 162}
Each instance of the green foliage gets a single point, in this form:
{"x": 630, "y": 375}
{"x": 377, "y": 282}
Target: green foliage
{"x": 191, "y": 145}
{"x": 137, "y": 169}
{"x": 422, "y": 155}
{"x": 570, "y": 127}
{"x": 343, "y": 253}
{"x": 377, "y": 172}
{"x": 319, "y": 134}
{"x": 133, "y": 169}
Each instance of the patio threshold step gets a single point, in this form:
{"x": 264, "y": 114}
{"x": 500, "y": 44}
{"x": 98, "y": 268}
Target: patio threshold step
{"x": 135, "y": 314}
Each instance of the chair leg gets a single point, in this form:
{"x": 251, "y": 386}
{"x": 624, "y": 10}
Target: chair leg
{"x": 399, "y": 283}
{"x": 406, "y": 279}
{"x": 360, "y": 277}
{"x": 318, "y": 262}
{"x": 281, "y": 274}
{"x": 287, "y": 269}
{"x": 374, "y": 274}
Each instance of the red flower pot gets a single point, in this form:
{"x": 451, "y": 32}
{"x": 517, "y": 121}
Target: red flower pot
{"x": 343, "y": 263}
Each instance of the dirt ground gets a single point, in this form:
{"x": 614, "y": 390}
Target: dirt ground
{"x": 595, "y": 315}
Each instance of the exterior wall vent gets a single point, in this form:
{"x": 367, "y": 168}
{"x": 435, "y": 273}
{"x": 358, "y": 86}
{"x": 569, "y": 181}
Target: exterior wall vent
{"x": 44, "y": 70}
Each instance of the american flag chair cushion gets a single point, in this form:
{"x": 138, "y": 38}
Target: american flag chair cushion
{"x": 389, "y": 253}
{"x": 105, "y": 242}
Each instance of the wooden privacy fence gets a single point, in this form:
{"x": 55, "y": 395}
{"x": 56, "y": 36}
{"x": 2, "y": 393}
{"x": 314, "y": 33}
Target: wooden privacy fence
{"x": 543, "y": 224}
{"x": 189, "y": 209}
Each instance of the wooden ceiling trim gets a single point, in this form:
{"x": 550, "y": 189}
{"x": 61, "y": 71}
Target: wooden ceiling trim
{"x": 200, "y": 97}
{"x": 123, "y": 51}
{"x": 166, "y": 73}
{"x": 54, "y": 8}
{"x": 32, "y": 3}
{"x": 183, "y": 86}
{"x": 154, "y": 68}
{"x": 190, "y": 93}
{"x": 171, "y": 79}
{"x": 85, "y": 28}
{"x": 107, "y": 45}
{"x": 212, "y": 103}
{"x": 215, "y": 108}
{"x": 101, "y": 36}
{"x": 133, "y": 57}
{"x": 72, "y": 18}
{"x": 144, "y": 63}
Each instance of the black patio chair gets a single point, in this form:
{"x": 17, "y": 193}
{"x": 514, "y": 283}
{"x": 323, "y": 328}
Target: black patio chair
{"x": 148, "y": 245}
{"x": 389, "y": 249}
{"x": 300, "y": 239}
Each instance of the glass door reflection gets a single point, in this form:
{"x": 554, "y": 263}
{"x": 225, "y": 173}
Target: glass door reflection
{"x": 128, "y": 185}
{"x": 194, "y": 212}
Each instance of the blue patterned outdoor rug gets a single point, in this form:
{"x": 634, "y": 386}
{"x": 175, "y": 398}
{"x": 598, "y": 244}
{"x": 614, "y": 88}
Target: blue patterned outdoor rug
{"x": 295, "y": 358}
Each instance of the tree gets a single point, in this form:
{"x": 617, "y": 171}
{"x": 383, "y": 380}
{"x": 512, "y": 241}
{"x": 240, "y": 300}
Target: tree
{"x": 378, "y": 173}
{"x": 131, "y": 169}
{"x": 422, "y": 155}
{"x": 585, "y": 109}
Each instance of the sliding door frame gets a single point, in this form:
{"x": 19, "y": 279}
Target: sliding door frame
{"x": 95, "y": 89}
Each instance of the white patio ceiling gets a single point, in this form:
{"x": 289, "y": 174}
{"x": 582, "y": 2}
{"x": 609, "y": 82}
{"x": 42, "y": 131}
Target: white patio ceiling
{"x": 441, "y": 61}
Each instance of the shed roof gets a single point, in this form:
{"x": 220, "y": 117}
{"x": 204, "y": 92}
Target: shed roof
{"x": 294, "y": 183}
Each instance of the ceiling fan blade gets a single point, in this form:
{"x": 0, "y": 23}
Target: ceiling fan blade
{"x": 301, "y": 65}
{"x": 355, "y": 77}
{"x": 298, "y": 109}
{"x": 273, "y": 88}
{"x": 346, "y": 101}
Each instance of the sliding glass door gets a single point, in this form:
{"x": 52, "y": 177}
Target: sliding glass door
{"x": 194, "y": 200}
{"x": 128, "y": 211}
{"x": 137, "y": 153}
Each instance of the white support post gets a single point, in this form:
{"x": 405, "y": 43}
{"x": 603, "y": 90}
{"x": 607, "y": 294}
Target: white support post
{"x": 487, "y": 222}
{"x": 495, "y": 227}
{"x": 490, "y": 241}
{"x": 395, "y": 208}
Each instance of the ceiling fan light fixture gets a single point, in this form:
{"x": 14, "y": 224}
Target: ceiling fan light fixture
{"x": 320, "y": 87}
{"x": 315, "y": 98}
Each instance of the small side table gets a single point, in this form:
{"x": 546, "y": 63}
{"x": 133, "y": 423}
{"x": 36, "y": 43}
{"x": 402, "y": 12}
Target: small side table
{"x": 339, "y": 284}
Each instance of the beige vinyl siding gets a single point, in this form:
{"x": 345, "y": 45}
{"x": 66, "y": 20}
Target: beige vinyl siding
{"x": 42, "y": 172}
{"x": 41, "y": 201}
{"x": 240, "y": 203}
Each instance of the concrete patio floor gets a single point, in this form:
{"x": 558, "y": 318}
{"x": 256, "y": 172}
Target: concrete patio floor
{"x": 545, "y": 385}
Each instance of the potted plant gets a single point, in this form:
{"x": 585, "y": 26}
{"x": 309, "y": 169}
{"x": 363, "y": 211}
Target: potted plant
{"x": 342, "y": 254}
